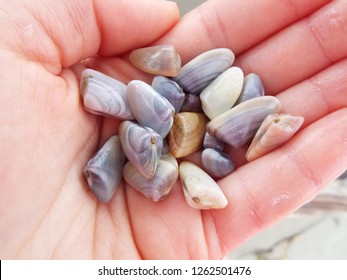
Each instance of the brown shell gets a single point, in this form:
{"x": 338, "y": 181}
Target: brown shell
{"x": 157, "y": 60}
{"x": 187, "y": 133}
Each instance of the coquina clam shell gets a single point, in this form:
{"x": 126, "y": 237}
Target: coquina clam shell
{"x": 160, "y": 185}
{"x": 150, "y": 108}
{"x": 142, "y": 146}
{"x": 170, "y": 90}
{"x": 252, "y": 87}
{"x": 103, "y": 95}
{"x": 221, "y": 94}
{"x": 187, "y": 133}
{"x": 157, "y": 60}
{"x": 103, "y": 171}
{"x": 239, "y": 124}
{"x": 203, "y": 69}
{"x": 200, "y": 190}
{"x": 191, "y": 103}
{"x": 275, "y": 130}
{"x": 212, "y": 142}
{"x": 216, "y": 163}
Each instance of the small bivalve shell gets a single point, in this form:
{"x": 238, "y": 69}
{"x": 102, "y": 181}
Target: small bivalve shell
{"x": 160, "y": 185}
{"x": 221, "y": 94}
{"x": 157, "y": 60}
{"x": 212, "y": 142}
{"x": 103, "y": 171}
{"x": 170, "y": 90}
{"x": 200, "y": 190}
{"x": 103, "y": 95}
{"x": 239, "y": 124}
{"x": 191, "y": 103}
{"x": 150, "y": 108}
{"x": 142, "y": 146}
{"x": 187, "y": 133}
{"x": 275, "y": 130}
{"x": 252, "y": 87}
{"x": 203, "y": 69}
{"x": 216, "y": 163}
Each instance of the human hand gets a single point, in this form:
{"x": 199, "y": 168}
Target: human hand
{"x": 47, "y": 137}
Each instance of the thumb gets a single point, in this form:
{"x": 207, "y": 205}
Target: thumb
{"x": 59, "y": 34}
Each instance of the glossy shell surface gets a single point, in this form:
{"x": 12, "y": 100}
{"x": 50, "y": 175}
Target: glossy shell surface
{"x": 157, "y": 60}
{"x": 252, "y": 87}
{"x": 160, "y": 185}
{"x": 216, "y": 163}
{"x": 238, "y": 125}
{"x": 142, "y": 146}
{"x": 203, "y": 69}
{"x": 222, "y": 93}
{"x": 103, "y": 171}
{"x": 212, "y": 142}
{"x": 170, "y": 90}
{"x": 200, "y": 190}
{"x": 150, "y": 108}
{"x": 103, "y": 95}
{"x": 187, "y": 133}
{"x": 275, "y": 130}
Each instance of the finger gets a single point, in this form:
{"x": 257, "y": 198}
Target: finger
{"x": 319, "y": 95}
{"x": 259, "y": 194}
{"x": 214, "y": 24}
{"x": 62, "y": 34}
{"x": 300, "y": 50}
{"x": 168, "y": 229}
{"x": 313, "y": 99}
{"x": 235, "y": 24}
{"x": 264, "y": 191}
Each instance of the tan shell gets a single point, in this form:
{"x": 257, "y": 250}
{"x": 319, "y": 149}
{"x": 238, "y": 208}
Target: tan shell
{"x": 187, "y": 133}
{"x": 275, "y": 130}
{"x": 157, "y": 60}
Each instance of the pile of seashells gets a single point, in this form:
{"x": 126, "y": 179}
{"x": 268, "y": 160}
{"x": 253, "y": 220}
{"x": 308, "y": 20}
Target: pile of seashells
{"x": 200, "y": 106}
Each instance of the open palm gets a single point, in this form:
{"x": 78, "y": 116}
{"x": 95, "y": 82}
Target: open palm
{"x": 298, "y": 49}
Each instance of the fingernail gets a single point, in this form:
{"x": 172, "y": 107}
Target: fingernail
{"x": 169, "y": 3}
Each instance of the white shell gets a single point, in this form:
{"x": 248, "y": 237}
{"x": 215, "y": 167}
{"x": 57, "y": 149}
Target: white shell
{"x": 200, "y": 190}
{"x": 275, "y": 130}
{"x": 222, "y": 93}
